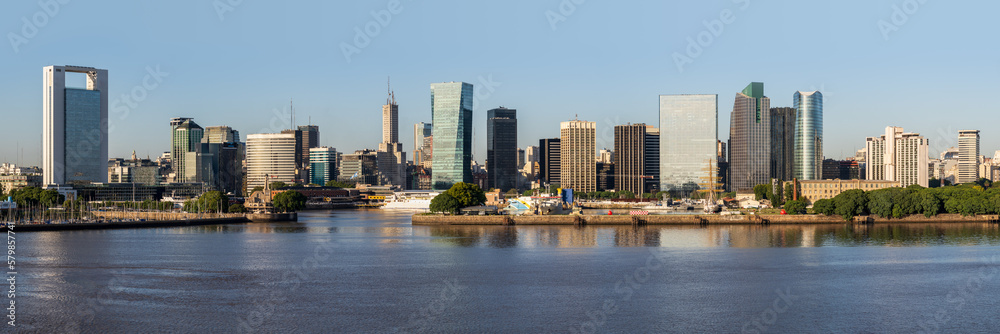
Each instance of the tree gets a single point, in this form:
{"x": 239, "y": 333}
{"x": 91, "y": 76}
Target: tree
{"x": 467, "y": 194}
{"x": 795, "y": 207}
{"x": 212, "y": 201}
{"x": 237, "y": 208}
{"x": 445, "y": 203}
{"x": 779, "y": 194}
{"x": 289, "y": 201}
{"x": 278, "y": 185}
{"x": 760, "y": 191}
{"x": 824, "y": 206}
{"x": 528, "y": 193}
{"x": 789, "y": 192}
{"x": 930, "y": 204}
{"x": 554, "y": 188}
{"x": 626, "y": 194}
{"x": 338, "y": 184}
{"x": 256, "y": 189}
{"x": 850, "y": 203}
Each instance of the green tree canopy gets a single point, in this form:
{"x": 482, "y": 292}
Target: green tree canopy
{"x": 289, "y": 201}
{"x": 795, "y": 207}
{"x": 467, "y": 194}
{"x": 825, "y": 207}
{"x": 338, "y": 184}
{"x": 212, "y": 201}
{"x": 445, "y": 203}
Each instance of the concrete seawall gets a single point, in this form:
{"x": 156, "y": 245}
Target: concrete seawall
{"x": 424, "y": 219}
{"x": 124, "y": 225}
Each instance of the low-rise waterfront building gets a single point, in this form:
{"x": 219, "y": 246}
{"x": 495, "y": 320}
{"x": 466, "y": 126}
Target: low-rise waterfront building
{"x": 814, "y": 190}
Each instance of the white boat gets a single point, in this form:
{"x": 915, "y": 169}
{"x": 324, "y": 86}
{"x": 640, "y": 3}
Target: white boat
{"x": 410, "y": 200}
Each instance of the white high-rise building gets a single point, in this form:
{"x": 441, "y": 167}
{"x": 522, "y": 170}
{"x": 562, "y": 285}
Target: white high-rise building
{"x": 968, "y": 156}
{"x": 898, "y": 156}
{"x": 74, "y": 126}
{"x": 270, "y": 155}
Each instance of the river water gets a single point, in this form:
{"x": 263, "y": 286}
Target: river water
{"x": 371, "y": 271}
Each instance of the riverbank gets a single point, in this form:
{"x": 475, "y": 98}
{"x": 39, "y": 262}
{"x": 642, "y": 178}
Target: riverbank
{"x": 426, "y": 219}
{"x": 125, "y": 225}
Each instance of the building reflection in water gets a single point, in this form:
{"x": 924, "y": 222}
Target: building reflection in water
{"x": 737, "y": 236}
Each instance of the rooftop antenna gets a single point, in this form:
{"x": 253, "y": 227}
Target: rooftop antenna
{"x": 291, "y": 106}
{"x": 391, "y": 100}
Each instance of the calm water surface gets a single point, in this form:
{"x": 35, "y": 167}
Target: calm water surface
{"x": 370, "y": 271}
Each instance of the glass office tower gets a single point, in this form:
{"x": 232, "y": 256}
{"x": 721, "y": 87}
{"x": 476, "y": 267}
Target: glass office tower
{"x": 808, "y": 135}
{"x": 501, "y": 149}
{"x": 451, "y": 113}
{"x": 74, "y": 126}
{"x": 750, "y": 139}
{"x": 688, "y": 140}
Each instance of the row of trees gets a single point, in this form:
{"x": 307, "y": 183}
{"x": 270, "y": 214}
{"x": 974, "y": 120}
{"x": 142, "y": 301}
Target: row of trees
{"x": 967, "y": 200}
{"x": 776, "y": 195}
{"x": 35, "y": 196}
{"x": 459, "y": 196}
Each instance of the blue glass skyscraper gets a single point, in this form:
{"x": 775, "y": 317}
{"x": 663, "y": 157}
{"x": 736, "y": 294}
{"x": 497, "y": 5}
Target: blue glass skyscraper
{"x": 808, "y": 135}
{"x": 451, "y": 111}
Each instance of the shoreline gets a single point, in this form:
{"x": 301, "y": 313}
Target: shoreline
{"x": 580, "y": 220}
{"x": 126, "y": 225}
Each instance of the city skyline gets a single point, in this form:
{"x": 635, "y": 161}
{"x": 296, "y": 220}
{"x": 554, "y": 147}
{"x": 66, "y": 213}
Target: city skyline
{"x": 875, "y": 86}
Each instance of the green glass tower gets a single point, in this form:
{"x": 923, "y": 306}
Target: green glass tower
{"x": 451, "y": 111}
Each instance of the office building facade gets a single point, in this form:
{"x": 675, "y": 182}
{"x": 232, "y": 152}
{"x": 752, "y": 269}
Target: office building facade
{"x": 422, "y": 144}
{"x": 185, "y": 145}
{"x": 782, "y": 143}
{"x": 549, "y": 160}
{"x": 750, "y": 139}
{"x": 451, "y": 113}
{"x": 322, "y": 165}
{"x": 577, "y": 148}
{"x": 808, "y": 163}
{"x": 630, "y": 158}
{"x": 74, "y": 127}
{"x": 502, "y": 153}
{"x": 688, "y": 140}
{"x": 968, "y": 156}
{"x": 270, "y": 156}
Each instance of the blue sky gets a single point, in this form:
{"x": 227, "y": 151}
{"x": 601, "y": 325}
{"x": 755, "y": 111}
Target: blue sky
{"x": 605, "y": 62}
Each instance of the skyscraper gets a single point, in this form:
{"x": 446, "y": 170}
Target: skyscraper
{"x": 391, "y": 157}
{"x": 750, "y": 139}
{"x": 74, "y": 127}
{"x": 897, "y": 156}
{"x": 652, "y": 164}
{"x": 322, "y": 165}
{"x": 968, "y": 156}
{"x": 306, "y": 137}
{"x": 270, "y": 155}
{"x": 630, "y": 158}
{"x": 782, "y": 143}
{"x": 549, "y": 163}
{"x": 228, "y": 153}
{"x": 578, "y": 146}
{"x": 688, "y": 140}
{"x": 185, "y": 145}
{"x": 501, "y": 149}
{"x": 808, "y": 135}
{"x": 422, "y": 144}
{"x": 451, "y": 113}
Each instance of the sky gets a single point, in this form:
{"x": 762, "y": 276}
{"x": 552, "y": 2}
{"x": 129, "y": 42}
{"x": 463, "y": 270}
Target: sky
{"x": 929, "y": 67}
